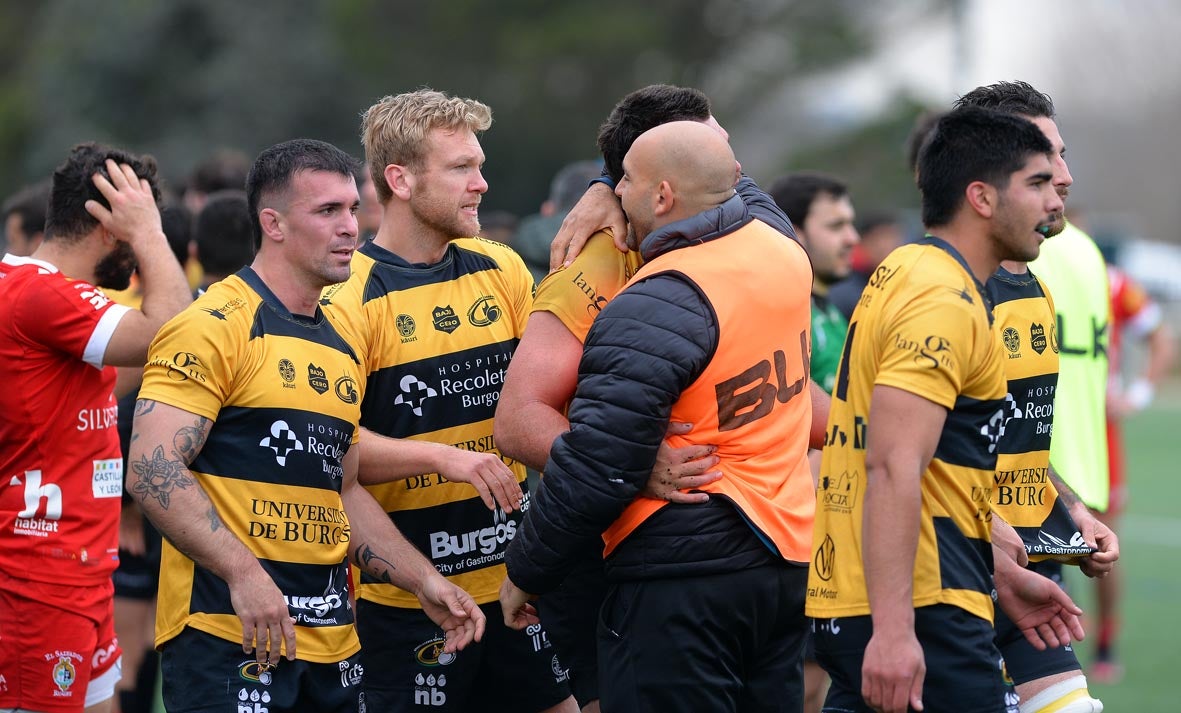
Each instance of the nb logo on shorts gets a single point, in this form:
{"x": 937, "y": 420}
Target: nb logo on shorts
{"x": 428, "y": 690}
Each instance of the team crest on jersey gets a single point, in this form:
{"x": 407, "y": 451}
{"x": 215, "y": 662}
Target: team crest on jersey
{"x": 445, "y": 319}
{"x": 484, "y": 312}
{"x": 1037, "y": 337}
{"x": 346, "y": 390}
{"x": 405, "y": 325}
{"x": 1012, "y": 340}
{"x": 287, "y": 371}
{"x": 317, "y": 378}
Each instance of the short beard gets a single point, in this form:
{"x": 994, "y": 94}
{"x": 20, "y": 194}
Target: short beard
{"x": 114, "y": 270}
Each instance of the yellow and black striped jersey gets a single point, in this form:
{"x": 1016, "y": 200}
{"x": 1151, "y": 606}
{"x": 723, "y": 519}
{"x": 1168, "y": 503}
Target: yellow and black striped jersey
{"x": 437, "y": 340}
{"x": 1024, "y": 494}
{"x": 284, "y": 394}
{"x": 923, "y": 324}
{"x": 575, "y": 294}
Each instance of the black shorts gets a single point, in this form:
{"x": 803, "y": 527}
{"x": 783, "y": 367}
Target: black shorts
{"x": 964, "y": 670}
{"x": 138, "y": 576}
{"x": 203, "y": 673}
{"x": 509, "y": 670}
{"x": 571, "y": 616}
{"x": 713, "y": 643}
{"x": 1023, "y": 662}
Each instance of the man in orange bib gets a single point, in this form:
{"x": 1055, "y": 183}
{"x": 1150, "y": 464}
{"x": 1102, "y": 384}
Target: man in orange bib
{"x": 713, "y": 330}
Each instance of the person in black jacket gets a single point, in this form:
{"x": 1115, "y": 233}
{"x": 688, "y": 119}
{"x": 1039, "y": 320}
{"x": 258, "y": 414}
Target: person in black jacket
{"x": 704, "y": 606}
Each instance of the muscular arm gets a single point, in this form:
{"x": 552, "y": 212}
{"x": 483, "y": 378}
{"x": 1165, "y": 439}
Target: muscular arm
{"x": 383, "y": 459}
{"x": 1094, "y": 531}
{"x": 540, "y": 382}
{"x": 134, "y": 218}
{"x": 380, "y": 550}
{"x": 904, "y": 431}
{"x": 164, "y": 441}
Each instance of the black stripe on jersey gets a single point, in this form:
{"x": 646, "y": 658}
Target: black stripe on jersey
{"x": 279, "y": 446}
{"x": 1027, "y": 429}
{"x": 273, "y": 318}
{"x": 971, "y": 432}
{"x": 964, "y": 562}
{"x": 457, "y": 537}
{"x": 1005, "y": 286}
{"x": 439, "y": 392}
{"x": 316, "y": 594}
{"x": 391, "y": 273}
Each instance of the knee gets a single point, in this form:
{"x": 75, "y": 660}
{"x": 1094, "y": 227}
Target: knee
{"x": 1069, "y": 696}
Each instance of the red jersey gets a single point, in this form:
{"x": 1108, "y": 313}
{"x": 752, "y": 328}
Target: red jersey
{"x": 1132, "y": 311}
{"x": 61, "y": 471}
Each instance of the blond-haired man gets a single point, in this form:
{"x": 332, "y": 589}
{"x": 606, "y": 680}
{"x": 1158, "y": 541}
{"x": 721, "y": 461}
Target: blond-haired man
{"x": 438, "y": 314}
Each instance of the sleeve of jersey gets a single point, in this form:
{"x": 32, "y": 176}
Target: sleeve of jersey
{"x": 647, "y": 346}
{"x": 575, "y": 294}
{"x": 190, "y": 366}
{"x": 72, "y": 316}
{"x": 763, "y": 206}
{"x": 522, "y": 281}
{"x": 1142, "y": 314}
{"x": 926, "y": 342}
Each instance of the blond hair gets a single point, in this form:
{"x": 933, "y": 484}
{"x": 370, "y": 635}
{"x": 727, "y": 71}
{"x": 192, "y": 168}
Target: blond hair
{"x": 394, "y": 129}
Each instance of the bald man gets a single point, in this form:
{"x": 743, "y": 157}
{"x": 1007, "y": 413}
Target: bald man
{"x": 704, "y": 607}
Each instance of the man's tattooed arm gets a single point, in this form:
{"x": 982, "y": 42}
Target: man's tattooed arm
{"x": 372, "y": 563}
{"x": 159, "y": 475}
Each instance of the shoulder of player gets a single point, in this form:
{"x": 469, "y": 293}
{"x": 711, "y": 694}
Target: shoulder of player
{"x": 226, "y": 303}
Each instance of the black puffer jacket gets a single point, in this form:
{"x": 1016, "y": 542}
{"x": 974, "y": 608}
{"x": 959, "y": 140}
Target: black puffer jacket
{"x": 648, "y": 344}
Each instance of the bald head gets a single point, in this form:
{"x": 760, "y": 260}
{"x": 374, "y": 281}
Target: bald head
{"x": 674, "y": 171}
{"x": 693, "y": 157}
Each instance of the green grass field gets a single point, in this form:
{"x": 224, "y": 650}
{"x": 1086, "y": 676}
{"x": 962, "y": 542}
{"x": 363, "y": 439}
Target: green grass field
{"x": 1150, "y": 551}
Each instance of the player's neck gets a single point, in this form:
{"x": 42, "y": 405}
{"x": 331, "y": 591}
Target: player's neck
{"x": 293, "y": 289}
{"x": 411, "y": 240}
{"x": 1015, "y": 267}
{"x": 74, "y": 260}
{"x": 975, "y": 248}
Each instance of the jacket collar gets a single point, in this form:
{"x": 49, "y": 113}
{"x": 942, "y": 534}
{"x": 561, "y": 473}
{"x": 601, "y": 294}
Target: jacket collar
{"x": 708, "y": 225}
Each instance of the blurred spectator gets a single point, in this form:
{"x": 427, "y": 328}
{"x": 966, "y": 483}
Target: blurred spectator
{"x": 225, "y": 169}
{"x": 224, "y": 236}
{"x": 24, "y": 218}
{"x": 501, "y": 226}
{"x": 369, "y": 216}
{"x": 881, "y": 232}
{"x": 1135, "y": 317}
{"x": 537, "y": 231}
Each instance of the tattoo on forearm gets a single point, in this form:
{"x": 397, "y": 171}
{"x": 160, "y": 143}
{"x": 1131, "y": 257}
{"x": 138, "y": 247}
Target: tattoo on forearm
{"x": 159, "y": 477}
{"x": 215, "y": 522}
{"x": 1068, "y": 497}
{"x": 374, "y": 564}
{"x": 189, "y": 440}
{"x": 144, "y": 406}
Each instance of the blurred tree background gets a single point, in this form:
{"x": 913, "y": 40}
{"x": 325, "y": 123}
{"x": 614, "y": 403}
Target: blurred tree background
{"x": 181, "y": 78}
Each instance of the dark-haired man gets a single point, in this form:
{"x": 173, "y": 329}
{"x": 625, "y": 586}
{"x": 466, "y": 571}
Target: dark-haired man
{"x": 60, "y": 463}
{"x": 24, "y": 218}
{"x": 901, "y": 583}
{"x": 242, "y": 457}
{"x": 223, "y": 235}
{"x": 542, "y": 378}
{"x": 1056, "y": 519}
{"x": 704, "y": 605}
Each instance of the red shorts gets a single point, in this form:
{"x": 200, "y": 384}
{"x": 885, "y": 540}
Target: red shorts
{"x": 54, "y": 639}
